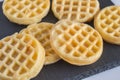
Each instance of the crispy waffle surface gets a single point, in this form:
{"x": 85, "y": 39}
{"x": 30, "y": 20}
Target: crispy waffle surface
{"x": 41, "y": 32}
{"x": 21, "y": 57}
{"x": 77, "y": 43}
{"x": 25, "y": 11}
{"x": 75, "y": 10}
{"x": 107, "y": 23}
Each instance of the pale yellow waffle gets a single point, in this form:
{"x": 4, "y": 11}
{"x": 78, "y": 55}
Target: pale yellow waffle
{"x": 76, "y": 43}
{"x": 41, "y": 32}
{"x": 21, "y": 57}
{"x": 25, "y": 11}
{"x": 107, "y": 22}
{"x": 78, "y": 10}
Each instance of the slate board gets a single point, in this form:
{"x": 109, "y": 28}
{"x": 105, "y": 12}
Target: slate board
{"x": 62, "y": 70}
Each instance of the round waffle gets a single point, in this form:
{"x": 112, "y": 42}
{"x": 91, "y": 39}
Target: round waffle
{"x": 78, "y": 10}
{"x": 25, "y": 11}
{"x": 107, "y": 22}
{"x": 41, "y": 32}
{"x": 76, "y": 43}
{"x": 21, "y": 57}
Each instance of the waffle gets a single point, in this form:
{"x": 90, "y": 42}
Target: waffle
{"x": 25, "y": 11}
{"x": 78, "y": 10}
{"x": 21, "y": 57}
{"x": 107, "y": 22}
{"x": 77, "y": 43}
{"x": 41, "y": 32}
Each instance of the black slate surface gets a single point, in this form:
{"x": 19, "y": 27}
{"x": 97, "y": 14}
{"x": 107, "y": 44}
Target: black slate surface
{"x": 62, "y": 70}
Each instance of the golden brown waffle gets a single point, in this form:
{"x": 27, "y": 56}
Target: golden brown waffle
{"x": 78, "y": 10}
{"x": 25, "y": 11}
{"x": 21, "y": 57}
{"x": 76, "y": 43}
{"x": 41, "y": 32}
{"x": 107, "y": 22}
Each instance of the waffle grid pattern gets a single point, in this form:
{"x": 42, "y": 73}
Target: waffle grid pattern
{"x": 87, "y": 38}
{"x": 76, "y": 43}
{"x": 25, "y": 11}
{"x": 42, "y": 33}
{"x": 16, "y": 58}
{"x": 25, "y": 8}
{"x": 110, "y": 21}
{"x": 79, "y": 10}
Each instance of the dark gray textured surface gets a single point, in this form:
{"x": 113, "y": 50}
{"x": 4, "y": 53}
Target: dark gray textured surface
{"x": 62, "y": 70}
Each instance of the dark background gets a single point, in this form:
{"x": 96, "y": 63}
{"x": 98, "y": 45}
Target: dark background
{"x": 62, "y": 70}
